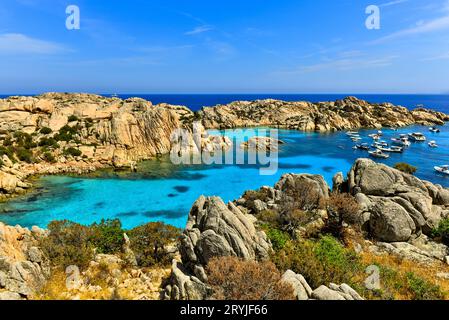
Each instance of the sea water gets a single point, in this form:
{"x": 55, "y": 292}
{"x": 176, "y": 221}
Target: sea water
{"x": 160, "y": 191}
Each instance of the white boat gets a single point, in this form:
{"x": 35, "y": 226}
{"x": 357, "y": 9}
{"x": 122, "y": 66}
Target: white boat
{"x": 392, "y": 149}
{"x": 355, "y": 139}
{"x": 442, "y": 169}
{"x": 434, "y": 130}
{"x": 380, "y": 144}
{"x": 363, "y": 146}
{"x": 374, "y": 136}
{"x": 433, "y": 144}
{"x": 417, "y": 137}
{"x": 352, "y": 133}
{"x": 378, "y": 154}
{"x": 401, "y": 142}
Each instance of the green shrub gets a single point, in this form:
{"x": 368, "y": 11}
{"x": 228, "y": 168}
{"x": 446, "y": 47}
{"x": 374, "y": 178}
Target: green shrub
{"x": 66, "y": 133}
{"x": 7, "y": 151}
{"x": 48, "y": 142}
{"x": 149, "y": 241}
{"x": 277, "y": 237}
{"x": 68, "y": 244}
{"x": 48, "y": 157}
{"x": 405, "y": 167}
{"x": 320, "y": 262}
{"x": 24, "y": 155}
{"x": 270, "y": 217}
{"x": 73, "y": 118}
{"x": 442, "y": 231}
{"x": 107, "y": 236}
{"x": 7, "y": 142}
{"x": 46, "y": 130}
{"x": 422, "y": 289}
{"x": 72, "y": 152}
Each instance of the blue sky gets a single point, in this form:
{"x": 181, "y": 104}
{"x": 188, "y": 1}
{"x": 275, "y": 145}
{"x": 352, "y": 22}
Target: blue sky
{"x": 246, "y": 46}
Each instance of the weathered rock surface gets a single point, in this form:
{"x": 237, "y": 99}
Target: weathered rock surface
{"x": 23, "y": 267}
{"x": 303, "y": 291}
{"x": 261, "y": 144}
{"x": 397, "y": 206}
{"x": 214, "y": 229}
{"x": 346, "y": 114}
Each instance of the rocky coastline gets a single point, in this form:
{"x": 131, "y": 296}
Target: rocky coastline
{"x": 58, "y": 133}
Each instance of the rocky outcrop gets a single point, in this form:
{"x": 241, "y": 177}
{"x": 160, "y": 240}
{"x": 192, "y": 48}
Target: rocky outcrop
{"x": 347, "y": 114}
{"x": 261, "y": 144}
{"x": 396, "y": 206}
{"x": 214, "y": 229}
{"x": 23, "y": 267}
{"x": 303, "y": 291}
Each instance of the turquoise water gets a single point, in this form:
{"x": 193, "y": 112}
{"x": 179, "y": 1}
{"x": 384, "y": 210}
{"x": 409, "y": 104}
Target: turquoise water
{"x": 164, "y": 192}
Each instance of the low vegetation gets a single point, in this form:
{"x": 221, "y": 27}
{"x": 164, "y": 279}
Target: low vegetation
{"x": 234, "y": 279}
{"x": 71, "y": 151}
{"x": 320, "y": 261}
{"x": 341, "y": 207}
{"x": 406, "y": 168}
{"x": 71, "y": 243}
{"x": 326, "y": 260}
{"x": 46, "y": 130}
{"x": 149, "y": 243}
{"x": 442, "y": 231}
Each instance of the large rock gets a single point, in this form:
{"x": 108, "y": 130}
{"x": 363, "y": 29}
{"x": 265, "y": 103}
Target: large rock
{"x": 23, "y": 267}
{"x": 214, "y": 229}
{"x": 397, "y": 205}
{"x": 301, "y": 289}
{"x": 390, "y": 222}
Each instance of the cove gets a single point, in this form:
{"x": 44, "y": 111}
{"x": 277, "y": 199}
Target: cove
{"x": 160, "y": 191}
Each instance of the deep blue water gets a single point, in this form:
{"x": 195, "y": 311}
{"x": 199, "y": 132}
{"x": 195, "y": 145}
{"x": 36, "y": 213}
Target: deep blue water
{"x": 197, "y": 101}
{"x": 164, "y": 192}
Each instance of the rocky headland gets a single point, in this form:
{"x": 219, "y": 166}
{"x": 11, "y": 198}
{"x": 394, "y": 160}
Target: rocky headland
{"x": 347, "y": 114}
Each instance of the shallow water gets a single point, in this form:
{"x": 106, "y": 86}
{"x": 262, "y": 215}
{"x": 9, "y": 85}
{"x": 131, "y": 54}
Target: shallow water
{"x": 161, "y": 191}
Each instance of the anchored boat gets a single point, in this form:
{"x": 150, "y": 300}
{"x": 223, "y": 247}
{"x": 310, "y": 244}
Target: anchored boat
{"x": 392, "y": 149}
{"x": 401, "y": 142}
{"x": 442, "y": 169}
{"x": 417, "y": 137}
{"x": 434, "y": 130}
{"x": 363, "y": 146}
{"x": 433, "y": 144}
{"x": 378, "y": 154}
